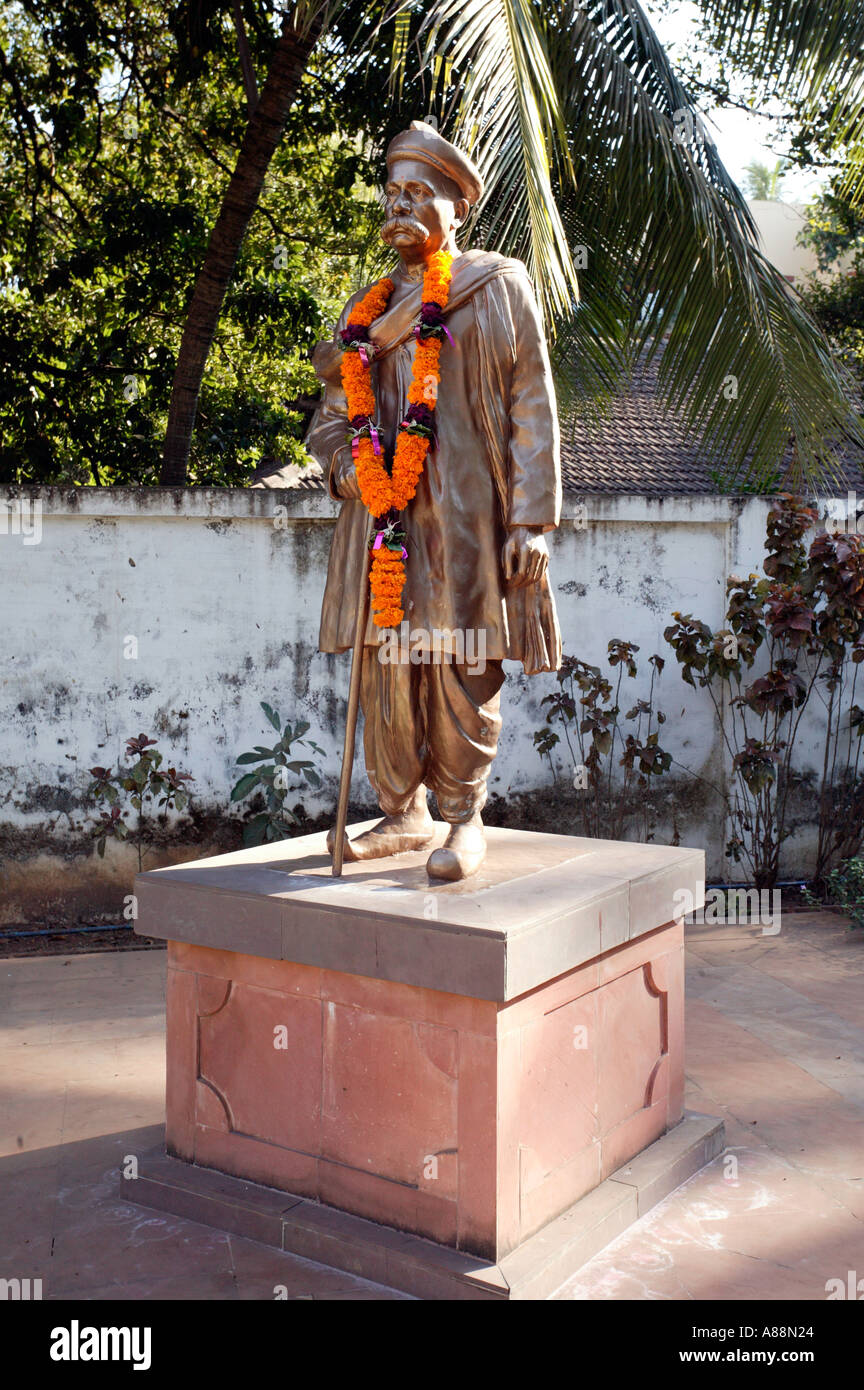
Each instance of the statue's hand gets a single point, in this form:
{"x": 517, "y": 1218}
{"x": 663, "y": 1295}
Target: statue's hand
{"x": 345, "y": 474}
{"x": 525, "y": 556}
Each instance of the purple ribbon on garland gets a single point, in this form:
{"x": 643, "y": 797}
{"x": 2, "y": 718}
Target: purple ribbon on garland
{"x": 419, "y": 326}
{"x": 361, "y": 423}
{"x": 379, "y": 541}
{"x": 431, "y": 316}
{"x": 419, "y": 413}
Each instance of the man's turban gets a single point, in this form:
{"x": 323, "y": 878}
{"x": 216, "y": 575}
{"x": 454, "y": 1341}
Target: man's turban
{"x": 420, "y": 141}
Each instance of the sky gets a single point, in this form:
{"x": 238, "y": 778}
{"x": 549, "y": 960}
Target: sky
{"x": 740, "y": 136}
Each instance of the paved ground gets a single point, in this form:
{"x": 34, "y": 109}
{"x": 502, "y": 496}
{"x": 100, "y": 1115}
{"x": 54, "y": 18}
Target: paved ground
{"x": 775, "y": 1044}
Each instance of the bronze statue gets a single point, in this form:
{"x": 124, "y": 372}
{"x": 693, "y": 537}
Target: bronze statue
{"x": 471, "y": 539}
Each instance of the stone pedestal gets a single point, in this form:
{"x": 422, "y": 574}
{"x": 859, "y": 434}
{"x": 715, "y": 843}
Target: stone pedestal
{"x": 460, "y": 1062}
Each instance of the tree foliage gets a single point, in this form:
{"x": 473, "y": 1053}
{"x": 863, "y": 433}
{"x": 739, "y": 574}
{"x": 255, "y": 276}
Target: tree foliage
{"x": 117, "y": 132}
{"x": 120, "y": 127}
{"x": 835, "y": 231}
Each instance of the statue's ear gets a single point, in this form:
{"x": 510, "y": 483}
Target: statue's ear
{"x": 461, "y": 208}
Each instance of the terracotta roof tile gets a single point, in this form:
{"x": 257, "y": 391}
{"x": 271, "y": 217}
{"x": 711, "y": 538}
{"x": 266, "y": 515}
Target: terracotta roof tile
{"x": 639, "y": 447}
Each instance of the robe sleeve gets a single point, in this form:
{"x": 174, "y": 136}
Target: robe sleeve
{"x": 534, "y": 460}
{"x": 326, "y": 436}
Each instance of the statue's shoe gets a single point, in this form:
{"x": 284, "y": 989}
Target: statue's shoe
{"x": 461, "y": 854}
{"x": 380, "y": 844}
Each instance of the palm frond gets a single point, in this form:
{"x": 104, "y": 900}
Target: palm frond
{"x": 810, "y": 53}
{"x": 670, "y": 243}
{"x": 509, "y": 119}
{"x": 803, "y": 47}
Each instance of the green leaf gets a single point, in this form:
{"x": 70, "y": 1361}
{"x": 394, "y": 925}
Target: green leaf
{"x": 255, "y": 830}
{"x": 244, "y": 786}
{"x": 272, "y": 716}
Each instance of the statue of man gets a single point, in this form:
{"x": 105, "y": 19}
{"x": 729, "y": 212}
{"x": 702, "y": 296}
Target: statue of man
{"x": 476, "y": 588}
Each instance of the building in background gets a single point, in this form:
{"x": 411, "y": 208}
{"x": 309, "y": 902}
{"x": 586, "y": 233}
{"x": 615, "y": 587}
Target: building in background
{"x": 779, "y": 227}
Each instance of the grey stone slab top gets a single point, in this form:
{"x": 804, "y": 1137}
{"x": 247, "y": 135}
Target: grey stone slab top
{"x": 540, "y": 905}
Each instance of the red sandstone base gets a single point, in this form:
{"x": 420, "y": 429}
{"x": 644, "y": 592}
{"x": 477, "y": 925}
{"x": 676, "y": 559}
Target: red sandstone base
{"x": 469, "y": 1121}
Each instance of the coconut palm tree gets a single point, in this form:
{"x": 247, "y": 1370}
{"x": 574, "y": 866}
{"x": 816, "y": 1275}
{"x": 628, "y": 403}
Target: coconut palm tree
{"x": 764, "y": 183}
{"x": 597, "y": 160}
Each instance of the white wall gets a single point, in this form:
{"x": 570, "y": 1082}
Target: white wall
{"x": 222, "y": 590}
{"x": 780, "y": 225}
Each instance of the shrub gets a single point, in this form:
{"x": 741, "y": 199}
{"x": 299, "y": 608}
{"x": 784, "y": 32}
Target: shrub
{"x": 277, "y": 821}
{"x": 587, "y": 709}
{"x": 844, "y": 888}
{"x": 792, "y": 643}
{"x": 139, "y": 787}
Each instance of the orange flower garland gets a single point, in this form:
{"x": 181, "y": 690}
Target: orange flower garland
{"x": 386, "y": 492}
{"x": 387, "y": 580}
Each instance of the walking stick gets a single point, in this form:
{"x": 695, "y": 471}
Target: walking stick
{"x": 353, "y": 706}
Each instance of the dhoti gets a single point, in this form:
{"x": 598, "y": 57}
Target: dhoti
{"x": 434, "y": 723}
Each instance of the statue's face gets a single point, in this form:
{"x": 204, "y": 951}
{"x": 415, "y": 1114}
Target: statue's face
{"x": 422, "y": 209}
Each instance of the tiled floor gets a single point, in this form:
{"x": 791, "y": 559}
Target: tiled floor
{"x": 775, "y": 1044}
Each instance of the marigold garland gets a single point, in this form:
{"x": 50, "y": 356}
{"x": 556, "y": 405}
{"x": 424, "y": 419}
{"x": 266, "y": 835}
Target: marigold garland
{"x": 386, "y": 493}
{"x": 387, "y": 579}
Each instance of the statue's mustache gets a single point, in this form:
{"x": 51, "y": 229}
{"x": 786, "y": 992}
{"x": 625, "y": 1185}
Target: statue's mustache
{"x": 404, "y": 224}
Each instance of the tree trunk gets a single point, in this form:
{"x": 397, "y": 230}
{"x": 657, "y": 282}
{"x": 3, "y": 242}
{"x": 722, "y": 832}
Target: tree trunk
{"x": 262, "y": 137}
{"x": 246, "y": 66}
